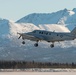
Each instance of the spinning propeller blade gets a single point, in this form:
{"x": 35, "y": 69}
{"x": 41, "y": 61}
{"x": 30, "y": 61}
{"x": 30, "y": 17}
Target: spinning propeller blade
{"x": 19, "y": 37}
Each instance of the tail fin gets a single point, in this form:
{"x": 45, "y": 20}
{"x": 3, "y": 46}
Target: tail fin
{"x": 74, "y": 31}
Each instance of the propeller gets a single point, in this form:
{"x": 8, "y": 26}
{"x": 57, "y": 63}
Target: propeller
{"x": 20, "y": 35}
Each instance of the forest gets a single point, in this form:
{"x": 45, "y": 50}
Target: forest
{"x": 33, "y": 64}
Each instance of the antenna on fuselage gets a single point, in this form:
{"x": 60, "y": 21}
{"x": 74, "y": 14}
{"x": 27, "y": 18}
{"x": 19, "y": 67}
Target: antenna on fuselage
{"x": 54, "y": 31}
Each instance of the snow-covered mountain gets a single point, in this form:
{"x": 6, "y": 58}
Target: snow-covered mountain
{"x": 63, "y": 17}
{"x": 12, "y": 49}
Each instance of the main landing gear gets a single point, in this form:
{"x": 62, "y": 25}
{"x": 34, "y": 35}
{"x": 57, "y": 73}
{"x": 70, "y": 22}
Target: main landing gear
{"x": 36, "y": 44}
{"x": 52, "y": 45}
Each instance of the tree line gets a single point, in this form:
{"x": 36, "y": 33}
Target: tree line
{"x": 33, "y": 64}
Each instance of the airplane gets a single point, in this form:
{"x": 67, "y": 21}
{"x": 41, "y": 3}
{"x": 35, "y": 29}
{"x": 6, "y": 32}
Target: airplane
{"x": 43, "y": 35}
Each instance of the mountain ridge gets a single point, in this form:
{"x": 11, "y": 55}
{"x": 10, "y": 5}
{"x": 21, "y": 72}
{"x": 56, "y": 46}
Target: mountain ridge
{"x": 62, "y": 17}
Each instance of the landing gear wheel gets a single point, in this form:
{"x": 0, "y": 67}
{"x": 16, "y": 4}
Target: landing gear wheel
{"x": 52, "y": 45}
{"x": 23, "y": 42}
{"x": 36, "y": 44}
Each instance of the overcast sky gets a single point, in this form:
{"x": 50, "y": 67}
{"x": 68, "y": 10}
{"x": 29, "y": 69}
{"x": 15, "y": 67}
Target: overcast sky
{"x": 16, "y": 9}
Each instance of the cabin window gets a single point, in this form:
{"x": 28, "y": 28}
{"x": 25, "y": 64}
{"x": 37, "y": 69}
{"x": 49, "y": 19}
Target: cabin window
{"x": 57, "y": 34}
{"x": 49, "y": 33}
{"x": 42, "y": 32}
{"x": 61, "y": 36}
{"x": 46, "y": 33}
{"x": 39, "y": 32}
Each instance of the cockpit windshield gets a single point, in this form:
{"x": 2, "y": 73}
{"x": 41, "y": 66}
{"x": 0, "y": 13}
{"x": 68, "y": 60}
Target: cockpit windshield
{"x": 34, "y": 31}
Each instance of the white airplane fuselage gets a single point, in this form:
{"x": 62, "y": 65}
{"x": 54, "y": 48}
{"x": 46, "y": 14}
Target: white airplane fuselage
{"x": 41, "y": 35}
{"x": 48, "y": 36}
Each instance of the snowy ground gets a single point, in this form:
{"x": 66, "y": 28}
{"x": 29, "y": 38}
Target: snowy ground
{"x": 38, "y": 70}
{"x": 37, "y": 73}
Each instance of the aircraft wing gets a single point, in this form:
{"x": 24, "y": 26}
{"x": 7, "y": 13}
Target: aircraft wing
{"x": 40, "y": 37}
